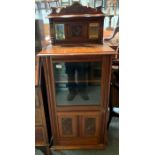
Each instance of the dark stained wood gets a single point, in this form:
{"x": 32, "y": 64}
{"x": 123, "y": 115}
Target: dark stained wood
{"x": 77, "y": 19}
{"x": 75, "y": 16}
{"x": 76, "y": 8}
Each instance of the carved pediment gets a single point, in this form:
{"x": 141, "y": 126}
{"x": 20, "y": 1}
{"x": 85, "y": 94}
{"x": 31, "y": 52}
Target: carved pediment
{"x": 76, "y": 8}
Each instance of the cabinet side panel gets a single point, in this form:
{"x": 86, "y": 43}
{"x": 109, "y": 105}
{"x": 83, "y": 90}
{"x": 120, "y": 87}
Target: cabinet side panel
{"x": 50, "y": 96}
{"x": 106, "y": 76}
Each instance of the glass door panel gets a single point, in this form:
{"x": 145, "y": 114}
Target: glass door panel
{"x": 77, "y": 83}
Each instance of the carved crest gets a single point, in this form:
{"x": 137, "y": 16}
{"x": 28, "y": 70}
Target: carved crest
{"x": 76, "y": 8}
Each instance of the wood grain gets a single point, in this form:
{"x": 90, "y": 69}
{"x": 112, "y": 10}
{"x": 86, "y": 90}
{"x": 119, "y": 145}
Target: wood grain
{"x": 77, "y": 50}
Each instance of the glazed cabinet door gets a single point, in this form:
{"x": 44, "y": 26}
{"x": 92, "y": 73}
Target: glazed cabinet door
{"x": 77, "y": 83}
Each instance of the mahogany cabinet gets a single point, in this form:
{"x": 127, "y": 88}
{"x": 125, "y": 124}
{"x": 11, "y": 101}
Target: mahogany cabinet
{"x": 78, "y": 121}
{"x": 77, "y": 68}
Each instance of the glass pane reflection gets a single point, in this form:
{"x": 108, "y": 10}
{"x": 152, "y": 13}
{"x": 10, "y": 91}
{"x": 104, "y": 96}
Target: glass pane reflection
{"x": 77, "y": 83}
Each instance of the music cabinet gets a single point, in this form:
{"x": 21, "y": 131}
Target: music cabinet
{"x": 77, "y": 73}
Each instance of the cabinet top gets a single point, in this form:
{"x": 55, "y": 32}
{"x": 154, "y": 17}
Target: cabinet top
{"x": 74, "y": 16}
{"x": 75, "y": 10}
{"x": 74, "y": 50}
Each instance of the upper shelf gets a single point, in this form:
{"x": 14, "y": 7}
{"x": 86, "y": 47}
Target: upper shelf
{"x": 80, "y": 49}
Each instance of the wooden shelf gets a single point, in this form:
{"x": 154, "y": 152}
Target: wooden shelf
{"x": 87, "y": 81}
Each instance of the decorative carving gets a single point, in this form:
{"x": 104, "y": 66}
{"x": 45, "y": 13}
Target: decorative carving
{"x": 76, "y": 8}
{"x": 90, "y": 126}
{"x": 67, "y": 126}
{"x": 76, "y": 30}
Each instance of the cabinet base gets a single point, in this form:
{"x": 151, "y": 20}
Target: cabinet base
{"x": 99, "y": 146}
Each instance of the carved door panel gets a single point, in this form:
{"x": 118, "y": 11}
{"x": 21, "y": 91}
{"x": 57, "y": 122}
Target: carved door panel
{"x": 90, "y": 125}
{"x": 79, "y": 124}
{"x": 67, "y": 125}
{"x": 76, "y": 31}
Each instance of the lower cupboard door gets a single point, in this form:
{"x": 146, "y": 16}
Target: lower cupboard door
{"x": 67, "y": 125}
{"x": 78, "y": 128}
{"x": 90, "y": 125}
